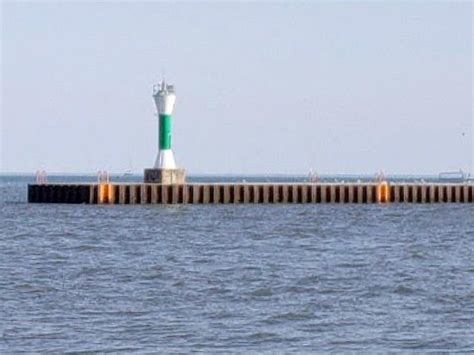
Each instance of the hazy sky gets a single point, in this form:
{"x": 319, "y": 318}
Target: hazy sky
{"x": 352, "y": 87}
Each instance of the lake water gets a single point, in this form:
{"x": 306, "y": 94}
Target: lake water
{"x": 226, "y": 278}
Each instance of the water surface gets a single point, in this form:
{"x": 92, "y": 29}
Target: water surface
{"x": 231, "y": 278}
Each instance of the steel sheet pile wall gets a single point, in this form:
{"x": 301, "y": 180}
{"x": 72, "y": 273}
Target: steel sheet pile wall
{"x": 250, "y": 193}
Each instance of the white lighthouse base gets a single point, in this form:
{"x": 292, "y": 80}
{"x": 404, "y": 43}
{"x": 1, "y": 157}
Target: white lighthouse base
{"x": 165, "y": 171}
{"x": 165, "y": 159}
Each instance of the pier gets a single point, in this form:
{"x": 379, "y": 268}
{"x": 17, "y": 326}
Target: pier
{"x": 251, "y": 193}
{"x": 165, "y": 183}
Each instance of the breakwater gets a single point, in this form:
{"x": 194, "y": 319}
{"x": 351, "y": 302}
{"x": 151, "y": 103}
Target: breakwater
{"x": 245, "y": 193}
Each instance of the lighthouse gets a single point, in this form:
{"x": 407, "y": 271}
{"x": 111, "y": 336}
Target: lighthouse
{"x": 165, "y": 170}
{"x": 165, "y": 99}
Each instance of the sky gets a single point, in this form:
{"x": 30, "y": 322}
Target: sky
{"x": 262, "y": 87}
